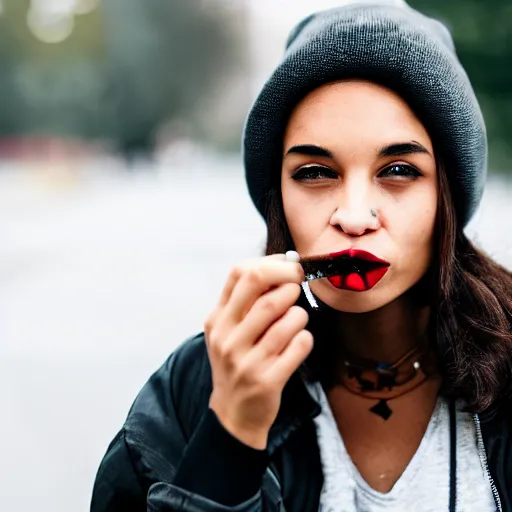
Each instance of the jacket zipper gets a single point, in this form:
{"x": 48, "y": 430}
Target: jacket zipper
{"x": 483, "y": 461}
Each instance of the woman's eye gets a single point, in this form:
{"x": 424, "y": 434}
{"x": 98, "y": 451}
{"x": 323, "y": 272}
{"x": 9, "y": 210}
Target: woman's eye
{"x": 313, "y": 172}
{"x": 401, "y": 171}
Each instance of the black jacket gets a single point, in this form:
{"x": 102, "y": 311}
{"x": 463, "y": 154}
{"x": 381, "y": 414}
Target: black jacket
{"x": 171, "y": 441}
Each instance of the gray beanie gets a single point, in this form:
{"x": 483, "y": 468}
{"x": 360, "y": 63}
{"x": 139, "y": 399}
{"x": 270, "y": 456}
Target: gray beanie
{"x": 386, "y": 43}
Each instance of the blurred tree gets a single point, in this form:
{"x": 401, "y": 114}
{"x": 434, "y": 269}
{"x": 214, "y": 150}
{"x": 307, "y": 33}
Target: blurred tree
{"x": 186, "y": 50}
{"x": 483, "y": 36}
{"x": 126, "y": 69}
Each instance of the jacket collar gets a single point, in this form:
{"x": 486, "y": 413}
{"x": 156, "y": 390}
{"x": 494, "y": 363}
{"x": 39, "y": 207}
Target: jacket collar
{"x": 297, "y": 408}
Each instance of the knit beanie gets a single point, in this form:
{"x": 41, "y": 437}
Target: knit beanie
{"x": 389, "y": 43}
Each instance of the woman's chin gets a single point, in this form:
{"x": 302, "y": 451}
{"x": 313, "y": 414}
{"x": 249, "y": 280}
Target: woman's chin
{"x": 348, "y": 301}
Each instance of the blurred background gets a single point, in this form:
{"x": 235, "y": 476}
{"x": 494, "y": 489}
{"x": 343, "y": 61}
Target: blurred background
{"x": 123, "y": 204}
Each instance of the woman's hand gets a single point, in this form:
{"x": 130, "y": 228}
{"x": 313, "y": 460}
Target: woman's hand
{"x": 256, "y": 340}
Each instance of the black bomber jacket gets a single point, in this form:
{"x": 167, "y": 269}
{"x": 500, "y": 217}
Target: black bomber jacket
{"x": 171, "y": 449}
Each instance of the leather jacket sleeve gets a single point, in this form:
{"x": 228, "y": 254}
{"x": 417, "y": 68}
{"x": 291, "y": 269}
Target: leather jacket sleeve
{"x": 173, "y": 455}
{"x": 168, "y": 498}
{"x": 117, "y": 487}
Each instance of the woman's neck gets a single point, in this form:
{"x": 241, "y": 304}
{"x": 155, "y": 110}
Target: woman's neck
{"x": 383, "y": 335}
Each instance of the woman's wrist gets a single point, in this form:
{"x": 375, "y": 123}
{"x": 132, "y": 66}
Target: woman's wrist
{"x": 219, "y": 466}
{"x": 254, "y": 438}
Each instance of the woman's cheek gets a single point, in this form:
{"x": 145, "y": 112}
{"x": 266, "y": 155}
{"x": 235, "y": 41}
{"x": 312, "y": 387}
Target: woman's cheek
{"x": 304, "y": 221}
{"x": 417, "y": 244}
{"x": 303, "y": 233}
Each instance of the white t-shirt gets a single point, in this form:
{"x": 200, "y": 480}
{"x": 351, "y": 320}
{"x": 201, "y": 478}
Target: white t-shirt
{"x": 424, "y": 485}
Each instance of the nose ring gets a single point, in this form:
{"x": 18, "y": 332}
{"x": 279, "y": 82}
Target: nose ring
{"x": 373, "y": 213}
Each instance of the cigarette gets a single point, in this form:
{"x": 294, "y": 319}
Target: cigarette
{"x": 294, "y": 256}
{"x": 315, "y": 268}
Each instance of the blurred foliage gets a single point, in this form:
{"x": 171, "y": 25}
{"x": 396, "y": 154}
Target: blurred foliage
{"x": 131, "y": 67}
{"x": 483, "y": 37}
{"x": 128, "y": 68}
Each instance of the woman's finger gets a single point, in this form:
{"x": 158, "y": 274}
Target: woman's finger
{"x": 257, "y": 281}
{"x": 237, "y": 272}
{"x": 280, "y": 333}
{"x": 291, "y": 358}
{"x": 266, "y": 311}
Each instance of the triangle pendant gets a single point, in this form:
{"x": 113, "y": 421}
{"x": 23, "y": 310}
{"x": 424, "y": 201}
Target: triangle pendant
{"x": 382, "y": 409}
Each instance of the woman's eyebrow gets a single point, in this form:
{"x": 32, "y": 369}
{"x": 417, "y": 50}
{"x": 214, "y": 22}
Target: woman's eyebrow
{"x": 310, "y": 150}
{"x": 398, "y": 149}
{"x": 403, "y": 148}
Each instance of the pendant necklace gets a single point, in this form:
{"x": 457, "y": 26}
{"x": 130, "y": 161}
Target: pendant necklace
{"x": 385, "y": 381}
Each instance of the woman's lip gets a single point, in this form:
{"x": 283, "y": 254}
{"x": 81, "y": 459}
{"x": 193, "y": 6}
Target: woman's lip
{"x": 358, "y": 253}
{"x": 359, "y": 281}
{"x": 356, "y": 282}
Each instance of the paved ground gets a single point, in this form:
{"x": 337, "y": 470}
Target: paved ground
{"x": 102, "y": 273}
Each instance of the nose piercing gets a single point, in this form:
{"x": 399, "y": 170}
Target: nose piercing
{"x": 373, "y": 213}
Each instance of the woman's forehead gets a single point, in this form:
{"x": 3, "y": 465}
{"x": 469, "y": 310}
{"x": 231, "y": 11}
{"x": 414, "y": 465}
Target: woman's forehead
{"x": 354, "y": 112}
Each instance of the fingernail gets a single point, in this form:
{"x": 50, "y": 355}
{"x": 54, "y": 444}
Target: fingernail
{"x": 292, "y": 256}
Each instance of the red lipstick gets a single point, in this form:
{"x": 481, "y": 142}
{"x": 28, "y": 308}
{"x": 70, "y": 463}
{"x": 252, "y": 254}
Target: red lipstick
{"x": 358, "y": 253}
{"x": 352, "y": 269}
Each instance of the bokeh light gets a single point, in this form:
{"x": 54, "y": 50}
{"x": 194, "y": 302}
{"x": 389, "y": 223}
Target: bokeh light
{"x": 53, "y": 21}
{"x": 50, "y": 26}
{"x": 85, "y": 6}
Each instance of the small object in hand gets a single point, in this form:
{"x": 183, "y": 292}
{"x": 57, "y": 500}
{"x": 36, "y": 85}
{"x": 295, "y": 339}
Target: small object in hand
{"x": 315, "y": 268}
{"x": 320, "y": 267}
{"x": 294, "y": 256}
{"x": 349, "y": 263}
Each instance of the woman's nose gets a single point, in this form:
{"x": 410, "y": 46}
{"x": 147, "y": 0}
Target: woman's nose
{"x": 356, "y": 218}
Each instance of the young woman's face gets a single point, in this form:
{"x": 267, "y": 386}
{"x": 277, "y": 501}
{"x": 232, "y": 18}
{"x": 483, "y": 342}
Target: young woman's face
{"x": 359, "y": 172}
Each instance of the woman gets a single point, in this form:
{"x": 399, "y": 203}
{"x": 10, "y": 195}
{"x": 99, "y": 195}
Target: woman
{"x": 385, "y": 384}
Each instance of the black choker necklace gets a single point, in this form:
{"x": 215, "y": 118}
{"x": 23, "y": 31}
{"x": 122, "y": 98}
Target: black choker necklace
{"x": 384, "y": 381}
